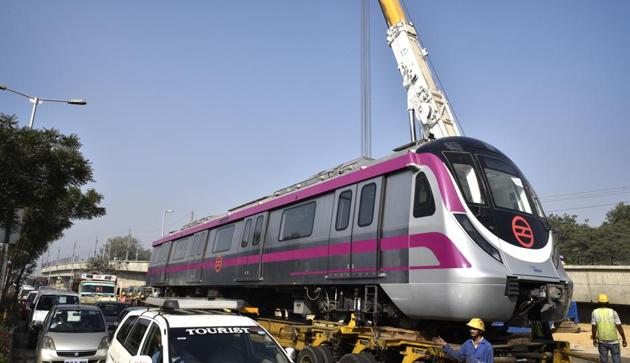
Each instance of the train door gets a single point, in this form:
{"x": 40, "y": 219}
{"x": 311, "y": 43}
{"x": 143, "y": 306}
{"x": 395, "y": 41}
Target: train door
{"x": 365, "y": 230}
{"x": 339, "y": 243}
{"x": 165, "y": 252}
{"x": 254, "y": 262}
{"x": 196, "y": 256}
{"x": 244, "y": 249}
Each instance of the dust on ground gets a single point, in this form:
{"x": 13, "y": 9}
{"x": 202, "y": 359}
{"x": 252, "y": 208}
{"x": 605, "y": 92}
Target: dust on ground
{"x": 583, "y": 343}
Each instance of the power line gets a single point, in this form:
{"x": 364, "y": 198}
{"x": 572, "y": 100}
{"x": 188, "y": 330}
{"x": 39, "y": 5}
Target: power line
{"x": 586, "y": 192}
{"x": 587, "y": 207}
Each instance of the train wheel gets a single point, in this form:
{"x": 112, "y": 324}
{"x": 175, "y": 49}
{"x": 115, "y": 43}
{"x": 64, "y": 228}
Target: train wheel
{"x": 353, "y": 358}
{"x": 310, "y": 355}
{"x": 326, "y": 354}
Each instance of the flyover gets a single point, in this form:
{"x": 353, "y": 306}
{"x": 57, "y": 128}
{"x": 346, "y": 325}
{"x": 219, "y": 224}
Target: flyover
{"x": 591, "y": 280}
{"x": 129, "y": 273}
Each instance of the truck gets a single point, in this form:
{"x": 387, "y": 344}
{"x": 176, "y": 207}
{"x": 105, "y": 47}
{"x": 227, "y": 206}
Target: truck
{"x": 94, "y": 287}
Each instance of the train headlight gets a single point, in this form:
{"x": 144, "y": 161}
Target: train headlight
{"x": 477, "y": 237}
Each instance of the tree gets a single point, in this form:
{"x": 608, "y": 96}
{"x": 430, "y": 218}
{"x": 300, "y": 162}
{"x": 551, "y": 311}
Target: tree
{"x": 621, "y": 213}
{"x": 102, "y": 265}
{"x": 124, "y": 247}
{"x": 607, "y": 244}
{"x": 44, "y": 174}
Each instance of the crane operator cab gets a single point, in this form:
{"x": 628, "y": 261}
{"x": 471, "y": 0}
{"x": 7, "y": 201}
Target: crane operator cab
{"x": 193, "y": 330}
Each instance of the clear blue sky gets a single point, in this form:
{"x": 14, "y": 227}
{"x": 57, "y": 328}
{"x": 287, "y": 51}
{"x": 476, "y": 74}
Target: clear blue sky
{"x": 200, "y": 106}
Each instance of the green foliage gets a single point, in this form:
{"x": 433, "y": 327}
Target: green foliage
{"x": 43, "y": 173}
{"x": 581, "y": 244}
{"x": 100, "y": 264}
{"x": 125, "y": 247}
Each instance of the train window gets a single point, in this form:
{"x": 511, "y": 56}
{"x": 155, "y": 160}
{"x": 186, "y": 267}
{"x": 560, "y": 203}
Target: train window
{"x": 246, "y": 230}
{"x": 223, "y": 239}
{"x": 467, "y": 178}
{"x": 257, "y": 230}
{"x": 508, "y": 189}
{"x": 297, "y": 222}
{"x": 423, "y": 203}
{"x": 343, "y": 210}
{"x": 366, "y": 206}
{"x": 180, "y": 249}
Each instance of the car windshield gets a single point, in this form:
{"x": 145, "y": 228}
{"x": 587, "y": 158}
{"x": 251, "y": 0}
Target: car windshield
{"x": 224, "y": 345}
{"x": 76, "y": 321}
{"x": 31, "y": 297}
{"x": 47, "y": 301}
{"x": 96, "y": 289}
{"x": 112, "y": 309}
{"x": 508, "y": 189}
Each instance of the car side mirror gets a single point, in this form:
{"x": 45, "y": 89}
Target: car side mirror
{"x": 140, "y": 359}
{"x": 291, "y": 352}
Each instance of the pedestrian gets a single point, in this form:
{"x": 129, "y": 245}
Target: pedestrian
{"x": 475, "y": 350}
{"x": 606, "y": 324}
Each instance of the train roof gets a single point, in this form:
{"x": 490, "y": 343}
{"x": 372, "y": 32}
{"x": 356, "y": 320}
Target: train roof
{"x": 347, "y": 173}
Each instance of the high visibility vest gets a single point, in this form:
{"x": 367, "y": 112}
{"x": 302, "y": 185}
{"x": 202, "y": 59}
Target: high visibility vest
{"x": 606, "y": 327}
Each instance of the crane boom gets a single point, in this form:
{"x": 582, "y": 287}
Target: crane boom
{"x": 426, "y": 103}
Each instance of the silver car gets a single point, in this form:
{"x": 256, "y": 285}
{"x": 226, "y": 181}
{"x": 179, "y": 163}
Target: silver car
{"x": 73, "y": 334}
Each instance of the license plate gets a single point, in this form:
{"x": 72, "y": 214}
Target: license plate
{"x": 76, "y": 360}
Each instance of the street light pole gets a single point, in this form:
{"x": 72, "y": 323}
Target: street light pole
{"x": 38, "y": 100}
{"x": 164, "y": 219}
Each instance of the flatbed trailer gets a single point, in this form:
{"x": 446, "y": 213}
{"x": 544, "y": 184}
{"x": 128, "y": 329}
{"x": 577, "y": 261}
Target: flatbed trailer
{"x": 327, "y": 342}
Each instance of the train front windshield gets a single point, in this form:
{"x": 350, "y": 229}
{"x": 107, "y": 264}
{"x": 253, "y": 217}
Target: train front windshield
{"x": 224, "y": 345}
{"x": 509, "y": 190}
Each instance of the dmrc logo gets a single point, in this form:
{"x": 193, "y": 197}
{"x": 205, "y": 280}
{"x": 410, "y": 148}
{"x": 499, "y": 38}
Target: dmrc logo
{"x": 218, "y": 264}
{"x": 522, "y": 232}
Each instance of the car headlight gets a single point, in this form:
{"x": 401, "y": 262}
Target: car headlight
{"x": 104, "y": 343}
{"x": 48, "y": 343}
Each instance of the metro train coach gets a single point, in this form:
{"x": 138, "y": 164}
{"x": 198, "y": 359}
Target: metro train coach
{"x": 443, "y": 231}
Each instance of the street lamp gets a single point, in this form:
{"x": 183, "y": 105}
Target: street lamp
{"x": 36, "y": 100}
{"x": 164, "y": 218}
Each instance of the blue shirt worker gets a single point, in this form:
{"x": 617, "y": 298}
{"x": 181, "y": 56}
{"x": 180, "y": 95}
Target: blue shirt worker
{"x": 606, "y": 325}
{"x": 474, "y": 350}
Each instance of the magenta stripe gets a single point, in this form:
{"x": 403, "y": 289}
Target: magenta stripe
{"x": 445, "y": 183}
{"x": 447, "y": 254}
{"x": 371, "y": 171}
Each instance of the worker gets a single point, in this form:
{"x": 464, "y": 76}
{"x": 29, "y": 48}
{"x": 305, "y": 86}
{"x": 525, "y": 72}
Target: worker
{"x": 474, "y": 350}
{"x": 606, "y": 324}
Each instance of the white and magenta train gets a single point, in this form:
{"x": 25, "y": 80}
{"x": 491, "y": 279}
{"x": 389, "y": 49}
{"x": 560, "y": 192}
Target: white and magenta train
{"x": 445, "y": 230}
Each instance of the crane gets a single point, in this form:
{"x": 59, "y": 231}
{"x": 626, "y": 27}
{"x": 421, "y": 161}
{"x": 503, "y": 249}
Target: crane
{"x": 426, "y": 103}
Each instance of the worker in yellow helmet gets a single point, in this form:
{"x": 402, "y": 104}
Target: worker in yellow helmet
{"x": 606, "y": 324}
{"x": 474, "y": 350}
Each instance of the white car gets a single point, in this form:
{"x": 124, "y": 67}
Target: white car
{"x": 43, "y": 302}
{"x": 174, "y": 335}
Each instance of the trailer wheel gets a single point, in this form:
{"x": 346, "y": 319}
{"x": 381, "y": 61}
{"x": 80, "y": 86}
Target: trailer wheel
{"x": 353, "y": 358}
{"x": 326, "y": 354}
{"x": 368, "y": 357}
{"x": 310, "y": 355}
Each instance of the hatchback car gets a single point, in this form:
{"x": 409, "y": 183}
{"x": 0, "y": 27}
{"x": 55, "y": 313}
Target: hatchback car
{"x": 73, "y": 334}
